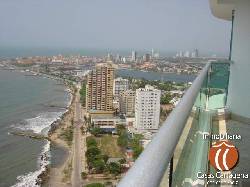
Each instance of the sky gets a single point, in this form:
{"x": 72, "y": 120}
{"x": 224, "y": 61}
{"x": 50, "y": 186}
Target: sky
{"x": 165, "y": 25}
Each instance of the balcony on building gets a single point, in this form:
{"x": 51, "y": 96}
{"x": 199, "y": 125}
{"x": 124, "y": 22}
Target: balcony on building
{"x": 216, "y": 103}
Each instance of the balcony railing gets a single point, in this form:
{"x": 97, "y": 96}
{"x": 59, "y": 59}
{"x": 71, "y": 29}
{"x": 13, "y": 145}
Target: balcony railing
{"x": 208, "y": 92}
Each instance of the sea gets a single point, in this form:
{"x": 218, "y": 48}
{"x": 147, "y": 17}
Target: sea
{"x": 30, "y": 103}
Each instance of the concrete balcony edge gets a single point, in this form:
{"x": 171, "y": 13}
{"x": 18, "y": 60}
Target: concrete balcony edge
{"x": 222, "y": 8}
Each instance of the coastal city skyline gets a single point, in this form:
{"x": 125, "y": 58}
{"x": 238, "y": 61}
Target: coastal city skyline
{"x": 13, "y": 52}
{"x": 124, "y": 93}
{"x": 160, "y": 25}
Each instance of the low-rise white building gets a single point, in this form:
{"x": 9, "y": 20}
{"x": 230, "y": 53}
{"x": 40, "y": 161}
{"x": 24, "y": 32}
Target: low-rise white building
{"x": 106, "y": 122}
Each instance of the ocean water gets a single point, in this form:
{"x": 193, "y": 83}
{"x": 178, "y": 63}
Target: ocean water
{"x": 27, "y": 103}
{"x": 12, "y": 52}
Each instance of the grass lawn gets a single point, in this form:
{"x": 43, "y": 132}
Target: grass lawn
{"x": 108, "y": 146}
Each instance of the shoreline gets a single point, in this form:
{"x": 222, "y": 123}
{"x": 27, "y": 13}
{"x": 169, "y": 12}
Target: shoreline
{"x": 44, "y": 158}
{"x": 155, "y": 76}
{"x": 55, "y": 174}
{"x": 160, "y": 72}
{"x": 40, "y": 175}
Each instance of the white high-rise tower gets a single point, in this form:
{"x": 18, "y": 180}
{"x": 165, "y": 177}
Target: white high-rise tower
{"x": 147, "y": 109}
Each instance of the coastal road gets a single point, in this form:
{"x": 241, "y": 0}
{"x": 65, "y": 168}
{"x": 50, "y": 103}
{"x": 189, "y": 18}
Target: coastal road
{"x": 76, "y": 179}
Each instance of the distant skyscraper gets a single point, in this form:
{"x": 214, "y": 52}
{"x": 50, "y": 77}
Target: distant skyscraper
{"x": 157, "y": 55}
{"x": 193, "y": 54}
{"x": 187, "y": 54}
{"x": 109, "y": 57}
{"x": 124, "y": 60}
{"x": 127, "y": 102}
{"x": 118, "y": 58}
{"x": 152, "y": 53}
{"x": 181, "y": 54}
{"x": 196, "y": 52}
{"x": 100, "y": 88}
{"x": 146, "y": 57}
{"x": 147, "y": 108}
{"x": 120, "y": 85}
{"x": 134, "y": 56}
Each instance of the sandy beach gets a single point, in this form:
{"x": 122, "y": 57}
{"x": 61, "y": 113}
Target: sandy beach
{"x": 61, "y": 175}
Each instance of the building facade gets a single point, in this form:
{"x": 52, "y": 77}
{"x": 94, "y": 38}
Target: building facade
{"x": 237, "y": 11}
{"x": 147, "y": 108}
{"x": 99, "y": 88}
{"x": 127, "y": 103}
{"x": 146, "y": 57}
{"x": 107, "y": 123}
{"x": 120, "y": 85}
{"x": 134, "y": 56}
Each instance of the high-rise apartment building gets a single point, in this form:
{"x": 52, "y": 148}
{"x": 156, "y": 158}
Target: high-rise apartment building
{"x": 120, "y": 85}
{"x": 127, "y": 102}
{"x": 146, "y": 57}
{"x": 118, "y": 58}
{"x": 134, "y": 56}
{"x": 187, "y": 54}
{"x": 100, "y": 88}
{"x": 195, "y": 53}
{"x": 147, "y": 108}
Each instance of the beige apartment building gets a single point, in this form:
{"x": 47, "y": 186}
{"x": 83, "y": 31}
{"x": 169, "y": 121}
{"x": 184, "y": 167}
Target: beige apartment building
{"x": 99, "y": 96}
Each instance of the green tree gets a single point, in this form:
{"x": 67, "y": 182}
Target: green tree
{"x": 166, "y": 99}
{"x": 91, "y": 142}
{"x": 135, "y": 144}
{"x": 122, "y": 140}
{"x": 92, "y": 152}
{"x": 99, "y": 165}
{"x": 95, "y": 185}
{"x": 114, "y": 168}
{"x": 84, "y": 175}
{"x": 137, "y": 151}
{"x": 120, "y": 129}
{"x": 108, "y": 183}
{"x": 122, "y": 161}
{"x": 96, "y": 131}
{"x": 105, "y": 158}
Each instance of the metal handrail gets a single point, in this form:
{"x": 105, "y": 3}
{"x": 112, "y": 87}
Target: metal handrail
{"x": 151, "y": 165}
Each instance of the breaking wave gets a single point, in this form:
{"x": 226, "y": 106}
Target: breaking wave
{"x": 31, "y": 179}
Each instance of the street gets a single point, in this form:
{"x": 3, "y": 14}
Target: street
{"x": 76, "y": 179}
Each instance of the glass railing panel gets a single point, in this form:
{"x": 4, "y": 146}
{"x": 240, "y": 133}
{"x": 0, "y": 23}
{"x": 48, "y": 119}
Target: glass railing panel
{"x": 191, "y": 154}
{"x": 213, "y": 94}
{"x": 218, "y": 76}
{"x": 218, "y": 85}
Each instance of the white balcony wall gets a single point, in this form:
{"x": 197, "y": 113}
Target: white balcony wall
{"x": 239, "y": 81}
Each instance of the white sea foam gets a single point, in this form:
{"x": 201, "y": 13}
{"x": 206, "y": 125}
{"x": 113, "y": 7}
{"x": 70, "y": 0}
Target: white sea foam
{"x": 40, "y": 122}
{"x": 38, "y": 125}
{"x": 30, "y": 179}
{"x": 69, "y": 96}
